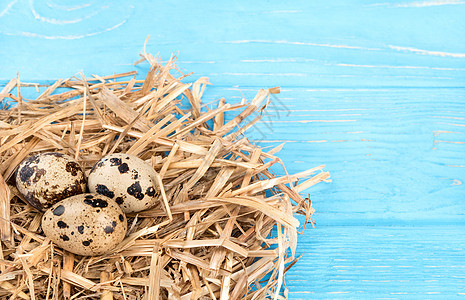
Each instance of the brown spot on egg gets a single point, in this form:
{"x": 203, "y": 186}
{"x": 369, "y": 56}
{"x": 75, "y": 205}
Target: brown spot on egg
{"x": 108, "y": 229}
{"x": 73, "y": 190}
{"x": 134, "y": 174}
{"x": 121, "y": 217}
{"x": 81, "y": 229}
{"x": 64, "y": 237}
{"x": 38, "y": 174}
{"x": 62, "y": 224}
{"x": 135, "y": 190}
{"x": 59, "y": 210}
{"x": 96, "y": 202}
{"x": 87, "y": 243}
{"x": 150, "y": 191}
{"x": 103, "y": 190}
{"x": 119, "y": 200}
{"x": 115, "y": 161}
{"x": 72, "y": 167}
{"x": 35, "y": 158}
{"x": 123, "y": 168}
{"x": 25, "y": 173}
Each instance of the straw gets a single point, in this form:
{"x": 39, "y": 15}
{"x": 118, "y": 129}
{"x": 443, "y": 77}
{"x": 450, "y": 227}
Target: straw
{"x": 223, "y": 220}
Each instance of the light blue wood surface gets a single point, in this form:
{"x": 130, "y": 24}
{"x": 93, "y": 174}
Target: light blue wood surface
{"x": 373, "y": 89}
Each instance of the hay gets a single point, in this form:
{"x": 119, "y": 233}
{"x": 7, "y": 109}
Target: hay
{"x": 224, "y": 227}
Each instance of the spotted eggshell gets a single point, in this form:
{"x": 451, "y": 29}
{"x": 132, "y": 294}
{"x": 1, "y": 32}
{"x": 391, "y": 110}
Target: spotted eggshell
{"x": 46, "y": 178}
{"x": 125, "y": 178}
{"x": 85, "y": 224}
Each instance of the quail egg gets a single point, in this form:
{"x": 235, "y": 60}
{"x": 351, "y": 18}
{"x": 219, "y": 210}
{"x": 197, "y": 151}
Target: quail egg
{"x": 85, "y": 224}
{"x": 125, "y": 178}
{"x": 46, "y": 178}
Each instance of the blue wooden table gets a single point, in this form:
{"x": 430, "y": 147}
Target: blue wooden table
{"x": 373, "y": 89}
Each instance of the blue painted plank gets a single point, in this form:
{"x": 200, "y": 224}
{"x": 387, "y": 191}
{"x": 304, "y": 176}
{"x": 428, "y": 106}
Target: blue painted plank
{"x": 382, "y": 262}
{"x": 361, "y": 43}
{"x": 373, "y": 89}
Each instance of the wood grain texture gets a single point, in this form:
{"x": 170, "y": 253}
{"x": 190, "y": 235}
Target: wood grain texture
{"x": 364, "y": 262}
{"x": 373, "y": 89}
{"x": 303, "y": 43}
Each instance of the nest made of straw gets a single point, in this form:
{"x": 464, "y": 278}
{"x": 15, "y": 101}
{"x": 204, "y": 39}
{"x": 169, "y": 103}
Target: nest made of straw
{"x": 225, "y": 225}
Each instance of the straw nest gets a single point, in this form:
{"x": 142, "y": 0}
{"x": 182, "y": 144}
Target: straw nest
{"x": 224, "y": 227}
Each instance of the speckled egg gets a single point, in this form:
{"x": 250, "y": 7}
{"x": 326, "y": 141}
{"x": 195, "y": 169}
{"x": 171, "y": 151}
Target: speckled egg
{"x": 85, "y": 224}
{"x": 125, "y": 178}
{"x": 46, "y": 178}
